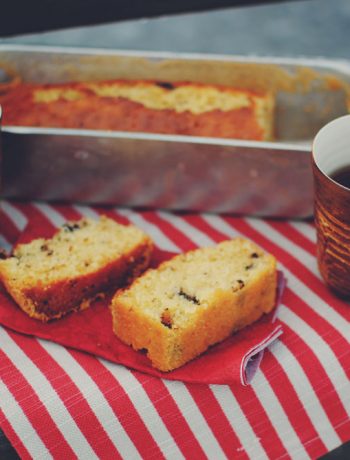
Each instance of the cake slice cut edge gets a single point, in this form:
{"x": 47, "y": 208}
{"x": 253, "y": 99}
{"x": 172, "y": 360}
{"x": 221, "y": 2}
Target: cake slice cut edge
{"x": 84, "y": 259}
{"x": 195, "y": 300}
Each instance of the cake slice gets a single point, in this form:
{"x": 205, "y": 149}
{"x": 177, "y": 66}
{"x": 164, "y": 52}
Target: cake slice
{"x": 51, "y": 277}
{"x": 175, "y": 312}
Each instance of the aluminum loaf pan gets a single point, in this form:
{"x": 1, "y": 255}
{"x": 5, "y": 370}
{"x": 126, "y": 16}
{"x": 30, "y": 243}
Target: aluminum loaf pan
{"x": 170, "y": 171}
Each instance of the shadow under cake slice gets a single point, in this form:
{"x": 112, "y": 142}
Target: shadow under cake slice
{"x": 51, "y": 277}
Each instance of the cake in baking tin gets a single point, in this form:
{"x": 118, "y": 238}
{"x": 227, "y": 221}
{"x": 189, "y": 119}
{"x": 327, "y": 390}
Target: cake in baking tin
{"x": 183, "y": 108}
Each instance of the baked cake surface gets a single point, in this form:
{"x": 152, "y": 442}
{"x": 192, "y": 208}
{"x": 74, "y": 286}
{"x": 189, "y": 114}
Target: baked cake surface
{"x": 51, "y": 277}
{"x": 196, "y": 299}
{"x": 142, "y": 106}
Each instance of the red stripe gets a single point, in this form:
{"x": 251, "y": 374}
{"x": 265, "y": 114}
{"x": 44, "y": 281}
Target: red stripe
{"x": 171, "y": 416}
{"x": 70, "y": 396}
{"x": 121, "y": 405}
{"x": 326, "y": 393}
{"x": 200, "y": 223}
{"x": 120, "y": 218}
{"x": 112, "y": 214}
{"x": 31, "y": 405}
{"x": 293, "y": 235}
{"x": 34, "y": 216}
{"x": 217, "y": 421}
{"x": 70, "y": 213}
{"x": 12, "y": 437}
{"x": 292, "y": 406}
{"x": 67, "y": 212}
{"x": 8, "y": 228}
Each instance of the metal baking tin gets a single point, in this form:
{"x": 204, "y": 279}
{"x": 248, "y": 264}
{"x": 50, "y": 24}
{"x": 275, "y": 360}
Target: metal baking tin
{"x": 170, "y": 171}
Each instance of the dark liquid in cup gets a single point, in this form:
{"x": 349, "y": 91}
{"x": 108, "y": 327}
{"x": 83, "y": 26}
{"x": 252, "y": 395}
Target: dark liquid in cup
{"x": 342, "y": 176}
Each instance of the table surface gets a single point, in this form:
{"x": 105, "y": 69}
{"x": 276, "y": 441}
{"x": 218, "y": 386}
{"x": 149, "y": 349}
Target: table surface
{"x": 57, "y": 401}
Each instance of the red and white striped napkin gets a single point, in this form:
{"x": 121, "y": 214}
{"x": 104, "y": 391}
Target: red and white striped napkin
{"x": 57, "y": 402}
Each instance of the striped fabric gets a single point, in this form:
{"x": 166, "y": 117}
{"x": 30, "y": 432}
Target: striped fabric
{"x": 60, "y": 403}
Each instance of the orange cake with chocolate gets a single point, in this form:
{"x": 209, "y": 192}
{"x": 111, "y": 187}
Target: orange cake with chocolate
{"x": 197, "y": 299}
{"x": 51, "y": 277}
{"x": 183, "y": 108}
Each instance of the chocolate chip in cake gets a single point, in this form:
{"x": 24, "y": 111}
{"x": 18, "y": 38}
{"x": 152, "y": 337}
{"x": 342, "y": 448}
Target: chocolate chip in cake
{"x": 188, "y": 297}
{"x": 165, "y": 85}
{"x": 70, "y": 227}
{"x": 239, "y": 284}
{"x": 166, "y": 318}
{"x": 45, "y": 248}
{"x": 254, "y": 255}
{"x": 248, "y": 267}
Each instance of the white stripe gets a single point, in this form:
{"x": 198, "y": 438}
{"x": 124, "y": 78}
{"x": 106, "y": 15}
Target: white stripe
{"x": 56, "y": 219}
{"x": 283, "y": 242}
{"x": 48, "y": 396}
{"x": 94, "y": 398}
{"x": 278, "y": 418}
{"x": 144, "y": 406}
{"x": 159, "y": 238}
{"x": 21, "y": 425}
{"x": 197, "y": 423}
{"x": 86, "y": 211}
{"x": 250, "y": 443}
{"x": 305, "y": 229}
{"x": 306, "y": 394}
{"x": 195, "y": 235}
{"x": 4, "y": 244}
{"x": 17, "y": 217}
{"x": 313, "y": 301}
{"x": 323, "y": 352}
{"x": 219, "y": 224}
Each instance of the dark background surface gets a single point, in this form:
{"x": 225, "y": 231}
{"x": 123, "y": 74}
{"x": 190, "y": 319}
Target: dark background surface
{"x": 297, "y": 28}
{"x": 39, "y": 15}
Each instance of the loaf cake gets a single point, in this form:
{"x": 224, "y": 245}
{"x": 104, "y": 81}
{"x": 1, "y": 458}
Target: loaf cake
{"x": 142, "y": 106}
{"x": 175, "y": 312}
{"x": 51, "y": 277}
